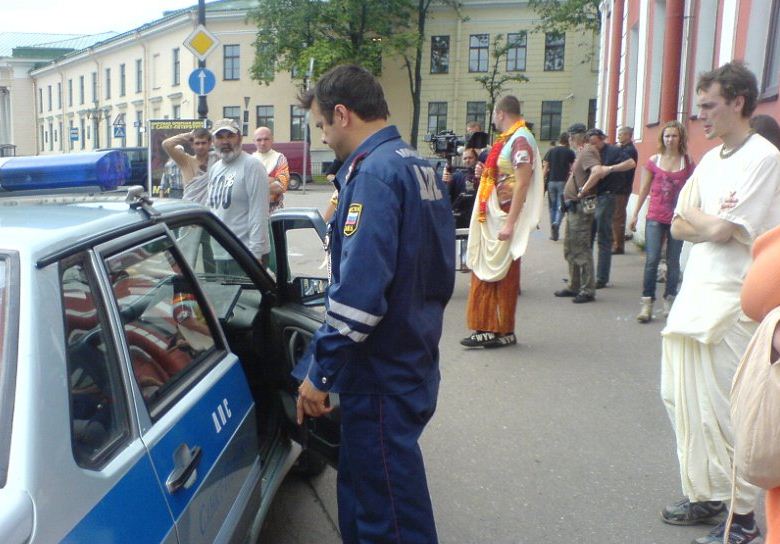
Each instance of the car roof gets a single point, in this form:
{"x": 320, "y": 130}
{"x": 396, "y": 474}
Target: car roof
{"x": 40, "y": 226}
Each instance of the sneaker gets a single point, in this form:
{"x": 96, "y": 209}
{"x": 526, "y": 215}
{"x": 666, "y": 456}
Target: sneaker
{"x": 582, "y": 297}
{"x": 501, "y": 340}
{"x": 737, "y": 534}
{"x": 601, "y": 284}
{"x": 685, "y": 512}
{"x": 478, "y": 339}
{"x": 565, "y": 293}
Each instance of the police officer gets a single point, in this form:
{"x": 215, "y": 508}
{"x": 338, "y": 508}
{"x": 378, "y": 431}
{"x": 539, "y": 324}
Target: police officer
{"x": 392, "y": 250}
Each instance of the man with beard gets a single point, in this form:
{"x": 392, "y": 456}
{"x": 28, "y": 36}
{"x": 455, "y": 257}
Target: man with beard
{"x": 238, "y": 194}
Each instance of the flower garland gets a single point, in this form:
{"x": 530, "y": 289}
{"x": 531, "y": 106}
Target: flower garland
{"x": 490, "y": 173}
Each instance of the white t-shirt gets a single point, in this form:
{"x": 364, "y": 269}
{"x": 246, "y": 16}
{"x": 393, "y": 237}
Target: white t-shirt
{"x": 707, "y": 304}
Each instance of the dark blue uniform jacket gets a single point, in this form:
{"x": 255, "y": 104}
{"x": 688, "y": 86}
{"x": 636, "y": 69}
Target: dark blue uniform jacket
{"x": 393, "y": 259}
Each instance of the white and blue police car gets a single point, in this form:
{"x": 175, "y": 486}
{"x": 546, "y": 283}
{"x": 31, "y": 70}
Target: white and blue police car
{"x": 145, "y": 357}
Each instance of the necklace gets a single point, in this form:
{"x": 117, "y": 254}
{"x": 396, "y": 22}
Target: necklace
{"x": 725, "y": 154}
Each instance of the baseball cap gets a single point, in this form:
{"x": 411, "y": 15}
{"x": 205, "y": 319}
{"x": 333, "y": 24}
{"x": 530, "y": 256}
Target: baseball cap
{"x": 578, "y": 128}
{"x": 225, "y": 124}
{"x": 596, "y": 132}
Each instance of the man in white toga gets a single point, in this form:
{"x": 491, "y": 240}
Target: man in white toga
{"x": 706, "y": 332}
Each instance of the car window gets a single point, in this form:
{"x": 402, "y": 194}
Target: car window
{"x": 98, "y": 405}
{"x": 232, "y": 293}
{"x": 164, "y": 325}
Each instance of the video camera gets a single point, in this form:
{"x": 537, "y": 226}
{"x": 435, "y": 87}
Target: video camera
{"x": 446, "y": 143}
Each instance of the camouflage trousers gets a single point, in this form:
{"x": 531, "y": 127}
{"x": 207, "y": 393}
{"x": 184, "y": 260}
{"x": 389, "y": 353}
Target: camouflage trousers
{"x": 578, "y": 251}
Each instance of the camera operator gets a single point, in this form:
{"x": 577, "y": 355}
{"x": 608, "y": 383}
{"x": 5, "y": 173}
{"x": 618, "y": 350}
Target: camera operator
{"x": 463, "y": 180}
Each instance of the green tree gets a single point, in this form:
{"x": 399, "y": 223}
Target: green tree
{"x": 410, "y": 47}
{"x": 495, "y": 82}
{"x": 333, "y": 32}
{"x": 563, "y": 15}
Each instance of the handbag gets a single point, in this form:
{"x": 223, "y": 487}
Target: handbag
{"x": 588, "y": 204}
{"x": 755, "y": 409}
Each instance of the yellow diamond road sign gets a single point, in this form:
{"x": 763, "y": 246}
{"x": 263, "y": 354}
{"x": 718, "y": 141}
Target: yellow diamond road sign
{"x": 201, "y": 42}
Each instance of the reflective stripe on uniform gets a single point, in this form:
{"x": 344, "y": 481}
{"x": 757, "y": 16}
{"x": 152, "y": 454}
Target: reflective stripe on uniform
{"x": 345, "y": 330}
{"x": 353, "y": 314}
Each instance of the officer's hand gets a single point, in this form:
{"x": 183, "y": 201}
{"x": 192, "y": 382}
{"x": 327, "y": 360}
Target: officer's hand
{"x": 478, "y": 170}
{"x": 446, "y": 177}
{"x": 311, "y": 402}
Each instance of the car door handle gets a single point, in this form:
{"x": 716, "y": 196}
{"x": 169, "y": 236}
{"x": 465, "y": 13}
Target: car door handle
{"x": 186, "y": 463}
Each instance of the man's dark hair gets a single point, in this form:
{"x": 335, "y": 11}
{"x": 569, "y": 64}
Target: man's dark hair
{"x": 472, "y": 151}
{"x": 734, "y": 80}
{"x": 509, "y": 104}
{"x": 563, "y": 139}
{"x": 351, "y": 86}
{"x": 201, "y": 134}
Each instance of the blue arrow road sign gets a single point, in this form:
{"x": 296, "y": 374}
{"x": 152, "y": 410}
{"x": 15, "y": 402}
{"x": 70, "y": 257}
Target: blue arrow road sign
{"x": 202, "y": 81}
{"x": 119, "y": 131}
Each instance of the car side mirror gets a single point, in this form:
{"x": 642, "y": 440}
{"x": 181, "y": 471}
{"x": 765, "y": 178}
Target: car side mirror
{"x": 310, "y": 289}
{"x": 300, "y": 254}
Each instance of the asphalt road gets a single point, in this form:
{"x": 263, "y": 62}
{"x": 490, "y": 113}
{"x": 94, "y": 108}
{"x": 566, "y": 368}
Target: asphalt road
{"x": 560, "y": 439}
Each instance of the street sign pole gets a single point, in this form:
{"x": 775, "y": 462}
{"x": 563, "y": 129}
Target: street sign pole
{"x": 306, "y": 132}
{"x": 203, "y": 107}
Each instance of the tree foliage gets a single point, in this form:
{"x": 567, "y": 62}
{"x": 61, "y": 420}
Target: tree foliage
{"x": 563, "y": 15}
{"x": 495, "y": 82}
{"x": 332, "y": 32}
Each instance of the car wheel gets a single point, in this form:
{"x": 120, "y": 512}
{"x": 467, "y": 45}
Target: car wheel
{"x": 295, "y": 182}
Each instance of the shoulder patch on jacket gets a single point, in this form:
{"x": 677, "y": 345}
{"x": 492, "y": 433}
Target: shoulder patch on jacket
{"x": 353, "y": 219}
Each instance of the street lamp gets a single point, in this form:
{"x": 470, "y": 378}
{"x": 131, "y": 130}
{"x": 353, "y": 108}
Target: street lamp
{"x": 96, "y": 114}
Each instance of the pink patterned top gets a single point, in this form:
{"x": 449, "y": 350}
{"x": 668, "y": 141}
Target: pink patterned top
{"x": 665, "y": 187}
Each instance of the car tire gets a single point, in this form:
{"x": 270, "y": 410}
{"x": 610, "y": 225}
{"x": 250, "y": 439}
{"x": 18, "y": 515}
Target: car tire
{"x": 295, "y": 182}
{"x": 309, "y": 464}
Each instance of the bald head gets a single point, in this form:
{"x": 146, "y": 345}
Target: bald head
{"x": 264, "y": 139}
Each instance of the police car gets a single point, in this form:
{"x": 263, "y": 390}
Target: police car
{"x": 145, "y": 392}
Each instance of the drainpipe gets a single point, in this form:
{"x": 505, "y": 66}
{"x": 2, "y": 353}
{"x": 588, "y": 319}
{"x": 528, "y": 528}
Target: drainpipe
{"x": 670, "y": 81}
{"x": 614, "y": 67}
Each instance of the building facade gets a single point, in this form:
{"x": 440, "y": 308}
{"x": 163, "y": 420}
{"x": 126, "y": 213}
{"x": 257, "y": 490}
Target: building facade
{"x": 653, "y": 50}
{"x": 77, "y": 99}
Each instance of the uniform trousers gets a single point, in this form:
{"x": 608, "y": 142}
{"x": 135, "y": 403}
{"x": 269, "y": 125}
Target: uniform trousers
{"x": 382, "y": 491}
{"x": 695, "y": 388}
{"x": 578, "y": 252}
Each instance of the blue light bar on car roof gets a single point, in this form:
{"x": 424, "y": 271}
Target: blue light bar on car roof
{"x": 104, "y": 169}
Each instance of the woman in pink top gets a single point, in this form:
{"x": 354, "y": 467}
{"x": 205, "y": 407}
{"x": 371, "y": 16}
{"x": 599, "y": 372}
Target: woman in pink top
{"x": 663, "y": 177}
